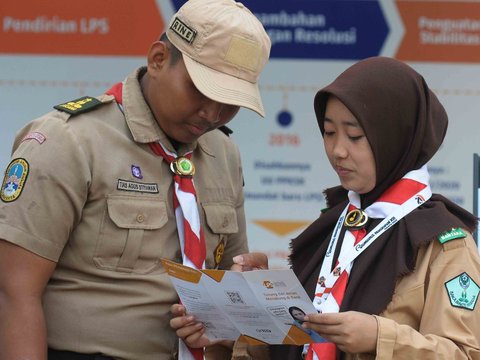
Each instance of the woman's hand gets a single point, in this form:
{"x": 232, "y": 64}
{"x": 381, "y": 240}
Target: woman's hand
{"x": 250, "y": 261}
{"x": 353, "y": 332}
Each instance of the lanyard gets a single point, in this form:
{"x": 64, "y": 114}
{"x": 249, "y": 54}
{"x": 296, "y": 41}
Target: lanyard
{"x": 349, "y": 253}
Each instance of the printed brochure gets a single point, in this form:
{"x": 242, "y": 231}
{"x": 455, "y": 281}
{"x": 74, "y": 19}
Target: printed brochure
{"x": 257, "y": 307}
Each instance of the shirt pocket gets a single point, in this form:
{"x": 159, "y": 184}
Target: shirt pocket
{"x": 221, "y": 220}
{"x": 127, "y": 237}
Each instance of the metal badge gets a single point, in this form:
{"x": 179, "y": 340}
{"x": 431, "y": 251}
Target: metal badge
{"x": 182, "y": 166}
{"x": 356, "y": 219}
{"x": 218, "y": 253}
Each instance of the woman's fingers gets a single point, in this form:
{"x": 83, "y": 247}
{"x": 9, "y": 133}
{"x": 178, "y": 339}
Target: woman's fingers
{"x": 352, "y": 331}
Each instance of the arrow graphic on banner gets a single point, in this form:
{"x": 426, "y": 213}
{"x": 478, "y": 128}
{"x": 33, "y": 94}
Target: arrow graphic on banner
{"x": 282, "y": 227}
{"x": 447, "y": 31}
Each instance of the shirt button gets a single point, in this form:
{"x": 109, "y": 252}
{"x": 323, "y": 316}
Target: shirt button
{"x": 225, "y": 222}
{"x": 140, "y": 218}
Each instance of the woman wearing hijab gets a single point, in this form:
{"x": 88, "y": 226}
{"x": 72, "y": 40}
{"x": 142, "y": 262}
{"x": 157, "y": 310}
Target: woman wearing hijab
{"x": 392, "y": 269}
{"x": 402, "y": 251}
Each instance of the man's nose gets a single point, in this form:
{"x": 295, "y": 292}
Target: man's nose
{"x": 211, "y": 111}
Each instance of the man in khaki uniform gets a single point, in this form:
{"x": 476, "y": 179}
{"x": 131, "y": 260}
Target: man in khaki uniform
{"x": 88, "y": 208}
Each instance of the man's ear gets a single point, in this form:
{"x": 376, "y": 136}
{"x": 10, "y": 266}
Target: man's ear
{"x": 158, "y": 56}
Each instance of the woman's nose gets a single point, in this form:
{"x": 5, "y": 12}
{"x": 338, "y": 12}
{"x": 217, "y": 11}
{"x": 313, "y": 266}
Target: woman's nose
{"x": 339, "y": 149}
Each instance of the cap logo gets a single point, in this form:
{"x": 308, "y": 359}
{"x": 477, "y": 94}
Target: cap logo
{"x": 183, "y": 30}
{"x": 244, "y": 53}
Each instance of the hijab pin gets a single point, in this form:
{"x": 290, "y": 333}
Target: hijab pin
{"x": 182, "y": 166}
{"x": 356, "y": 219}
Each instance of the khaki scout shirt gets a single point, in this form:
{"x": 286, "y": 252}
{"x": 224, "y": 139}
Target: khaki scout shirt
{"x": 109, "y": 293}
{"x": 420, "y": 322}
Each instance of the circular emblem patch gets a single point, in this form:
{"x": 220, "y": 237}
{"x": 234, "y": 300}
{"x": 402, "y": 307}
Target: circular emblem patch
{"x": 14, "y": 180}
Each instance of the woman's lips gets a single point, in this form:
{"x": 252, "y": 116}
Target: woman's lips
{"x": 342, "y": 171}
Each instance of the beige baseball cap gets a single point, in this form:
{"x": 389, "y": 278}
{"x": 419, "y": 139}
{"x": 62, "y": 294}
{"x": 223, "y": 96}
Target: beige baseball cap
{"x": 224, "y": 47}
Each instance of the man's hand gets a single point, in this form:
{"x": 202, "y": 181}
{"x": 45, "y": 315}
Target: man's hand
{"x": 187, "y": 328}
{"x": 353, "y": 332}
{"x": 250, "y": 261}
{"x": 191, "y": 331}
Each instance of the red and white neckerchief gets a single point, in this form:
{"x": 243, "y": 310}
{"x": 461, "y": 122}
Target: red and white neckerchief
{"x": 190, "y": 232}
{"x": 396, "y": 202}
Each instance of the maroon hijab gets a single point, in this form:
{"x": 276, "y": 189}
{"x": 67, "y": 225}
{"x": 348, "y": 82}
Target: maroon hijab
{"x": 405, "y": 125}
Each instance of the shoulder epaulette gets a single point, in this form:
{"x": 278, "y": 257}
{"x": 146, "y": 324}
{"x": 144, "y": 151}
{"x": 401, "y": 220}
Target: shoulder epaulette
{"x": 452, "y": 234}
{"x": 80, "y": 105}
{"x": 226, "y": 130}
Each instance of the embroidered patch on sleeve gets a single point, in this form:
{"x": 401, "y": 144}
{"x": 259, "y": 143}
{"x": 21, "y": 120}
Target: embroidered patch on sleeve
{"x": 39, "y": 137}
{"x": 463, "y": 291}
{"x": 14, "y": 180}
{"x": 453, "y": 234}
{"x": 79, "y": 105}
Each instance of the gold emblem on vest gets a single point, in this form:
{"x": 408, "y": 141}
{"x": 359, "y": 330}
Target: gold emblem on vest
{"x": 356, "y": 219}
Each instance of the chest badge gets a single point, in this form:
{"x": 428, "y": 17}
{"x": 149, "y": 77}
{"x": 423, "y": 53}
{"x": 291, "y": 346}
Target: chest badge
{"x": 218, "y": 253}
{"x": 182, "y": 166}
{"x": 137, "y": 172}
{"x": 463, "y": 291}
{"x": 14, "y": 180}
{"x": 356, "y": 219}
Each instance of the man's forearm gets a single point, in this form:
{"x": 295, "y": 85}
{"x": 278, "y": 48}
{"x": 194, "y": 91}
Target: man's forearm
{"x": 22, "y": 329}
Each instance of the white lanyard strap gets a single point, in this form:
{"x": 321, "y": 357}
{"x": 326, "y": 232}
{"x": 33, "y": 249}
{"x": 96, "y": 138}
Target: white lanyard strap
{"x": 348, "y": 255}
